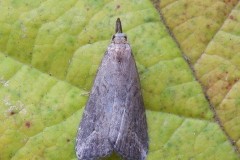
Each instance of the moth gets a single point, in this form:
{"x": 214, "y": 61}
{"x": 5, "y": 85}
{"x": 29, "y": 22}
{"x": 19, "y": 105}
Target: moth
{"x": 114, "y": 118}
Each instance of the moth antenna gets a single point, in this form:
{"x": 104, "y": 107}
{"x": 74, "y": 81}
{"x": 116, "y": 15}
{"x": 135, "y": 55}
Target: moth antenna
{"x": 118, "y": 28}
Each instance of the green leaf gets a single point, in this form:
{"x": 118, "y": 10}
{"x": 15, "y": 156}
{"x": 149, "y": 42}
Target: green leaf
{"x": 208, "y": 34}
{"x": 49, "y": 54}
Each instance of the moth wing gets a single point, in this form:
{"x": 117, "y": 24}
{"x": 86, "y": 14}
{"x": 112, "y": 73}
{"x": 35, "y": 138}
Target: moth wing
{"x": 114, "y": 117}
{"x": 92, "y": 140}
{"x": 130, "y": 147}
{"x": 132, "y": 140}
{"x": 94, "y": 146}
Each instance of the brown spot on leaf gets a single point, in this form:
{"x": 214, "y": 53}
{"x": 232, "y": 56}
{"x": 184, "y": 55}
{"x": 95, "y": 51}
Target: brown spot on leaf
{"x": 185, "y": 5}
{"x": 232, "y": 17}
{"x": 229, "y": 86}
{"x": 12, "y": 113}
{"x": 68, "y": 140}
{"x": 28, "y": 124}
{"x": 118, "y": 6}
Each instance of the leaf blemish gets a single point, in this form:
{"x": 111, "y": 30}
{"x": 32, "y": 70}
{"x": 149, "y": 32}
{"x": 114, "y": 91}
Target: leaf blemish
{"x": 12, "y": 113}
{"x": 28, "y": 124}
{"x": 232, "y": 17}
{"x": 208, "y": 26}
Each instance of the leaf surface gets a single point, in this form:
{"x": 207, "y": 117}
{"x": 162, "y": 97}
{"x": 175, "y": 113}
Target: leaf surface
{"x": 49, "y": 54}
{"x": 208, "y": 34}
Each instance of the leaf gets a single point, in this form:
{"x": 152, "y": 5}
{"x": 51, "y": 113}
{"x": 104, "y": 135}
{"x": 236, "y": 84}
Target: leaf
{"x": 208, "y": 33}
{"x": 49, "y": 54}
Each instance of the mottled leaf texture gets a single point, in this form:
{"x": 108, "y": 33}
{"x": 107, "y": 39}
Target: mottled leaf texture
{"x": 50, "y": 51}
{"x": 114, "y": 118}
{"x": 208, "y": 33}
